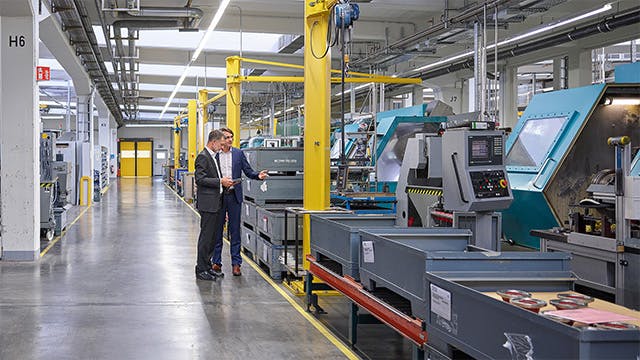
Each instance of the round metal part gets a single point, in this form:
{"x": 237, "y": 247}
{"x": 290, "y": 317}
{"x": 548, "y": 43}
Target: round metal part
{"x": 529, "y": 303}
{"x": 567, "y": 304}
{"x": 616, "y": 325}
{"x": 577, "y": 297}
{"x": 508, "y": 295}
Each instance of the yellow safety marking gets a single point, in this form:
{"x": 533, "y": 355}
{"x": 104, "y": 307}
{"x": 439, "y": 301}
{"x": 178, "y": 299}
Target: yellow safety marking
{"x": 105, "y": 189}
{"x": 424, "y": 191}
{"x": 63, "y": 233}
{"x": 318, "y": 325}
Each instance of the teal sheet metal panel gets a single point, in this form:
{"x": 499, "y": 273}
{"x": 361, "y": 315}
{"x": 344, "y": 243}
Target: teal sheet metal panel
{"x": 528, "y": 211}
{"x": 635, "y": 165}
{"x": 530, "y": 181}
{"x": 627, "y": 73}
{"x": 390, "y": 125}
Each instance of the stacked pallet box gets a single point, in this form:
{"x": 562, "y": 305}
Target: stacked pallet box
{"x": 263, "y": 211}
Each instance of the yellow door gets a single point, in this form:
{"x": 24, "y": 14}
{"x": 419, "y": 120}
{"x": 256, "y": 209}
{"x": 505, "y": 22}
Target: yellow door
{"x": 143, "y": 158}
{"x": 127, "y": 158}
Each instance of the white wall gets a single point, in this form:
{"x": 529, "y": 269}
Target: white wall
{"x": 161, "y": 136}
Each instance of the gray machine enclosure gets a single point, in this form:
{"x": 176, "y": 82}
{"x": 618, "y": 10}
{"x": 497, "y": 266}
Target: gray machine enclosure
{"x": 337, "y": 237}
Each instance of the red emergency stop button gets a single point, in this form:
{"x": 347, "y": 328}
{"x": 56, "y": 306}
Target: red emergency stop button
{"x": 503, "y": 183}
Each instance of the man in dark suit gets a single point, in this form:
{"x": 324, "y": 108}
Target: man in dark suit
{"x": 232, "y": 164}
{"x": 210, "y": 187}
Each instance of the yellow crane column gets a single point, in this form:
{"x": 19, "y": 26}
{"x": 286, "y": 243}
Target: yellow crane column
{"x": 176, "y": 144}
{"x": 233, "y": 97}
{"x": 317, "y": 112}
{"x": 192, "y": 111}
{"x": 203, "y": 96}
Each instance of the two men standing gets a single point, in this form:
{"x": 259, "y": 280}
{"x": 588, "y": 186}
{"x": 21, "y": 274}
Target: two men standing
{"x": 219, "y": 197}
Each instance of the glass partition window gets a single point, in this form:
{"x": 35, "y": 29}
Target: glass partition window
{"x": 534, "y": 141}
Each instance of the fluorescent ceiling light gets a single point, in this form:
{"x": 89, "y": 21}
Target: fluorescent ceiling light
{"x": 529, "y": 34}
{"x": 544, "y": 29}
{"x": 205, "y": 38}
{"x": 212, "y": 26}
{"x": 356, "y": 89}
{"x": 51, "y": 117}
{"x": 625, "y": 101}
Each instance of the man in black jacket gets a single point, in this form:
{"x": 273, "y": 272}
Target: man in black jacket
{"x": 210, "y": 186}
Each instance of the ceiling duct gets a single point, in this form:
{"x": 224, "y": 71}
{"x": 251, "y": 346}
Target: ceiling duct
{"x": 74, "y": 20}
{"x": 125, "y": 58}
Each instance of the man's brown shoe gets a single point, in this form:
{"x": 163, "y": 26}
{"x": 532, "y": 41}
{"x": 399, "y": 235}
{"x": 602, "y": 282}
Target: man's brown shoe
{"x": 216, "y": 270}
{"x": 236, "y": 270}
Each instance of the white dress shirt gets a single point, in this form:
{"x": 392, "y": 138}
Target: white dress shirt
{"x": 226, "y": 163}
{"x": 213, "y": 156}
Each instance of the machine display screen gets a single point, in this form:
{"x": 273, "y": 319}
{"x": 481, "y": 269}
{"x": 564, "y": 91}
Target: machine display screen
{"x": 484, "y": 150}
{"x": 534, "y": 141}
{"x": 480, "y": 149}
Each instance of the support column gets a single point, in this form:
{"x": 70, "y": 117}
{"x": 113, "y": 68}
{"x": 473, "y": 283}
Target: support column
{"x": 508, "y": 108}
{"x": 19, "y": 133}
{"x": 450, "y": 95}
{"x": 177, "y": 143}
{"x": 104, "y": 133}
{"x": 192, "y": 109}
{"x": 85, "y": 139}
{"x": 470, "y": 90}
{"x": 233, "y": 97}
{"x": 203, "y": 119}
{"x": 417, "y": 95}
{"x": 317, "y": 109}
{"x": 580, "y": 68}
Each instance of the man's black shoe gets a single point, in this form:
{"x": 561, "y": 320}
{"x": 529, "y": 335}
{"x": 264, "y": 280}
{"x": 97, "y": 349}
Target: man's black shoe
{"x": 205, "y": 275}
{"x": 216, "y": 273}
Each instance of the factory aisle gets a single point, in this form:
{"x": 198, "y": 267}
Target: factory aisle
{"x": 121, "y": 285}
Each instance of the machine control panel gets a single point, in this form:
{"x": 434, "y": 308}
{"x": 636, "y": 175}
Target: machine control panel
{"x": 474, "y": 174}
{"x": 489, "y": 184}
{"x": 485, "y": 150}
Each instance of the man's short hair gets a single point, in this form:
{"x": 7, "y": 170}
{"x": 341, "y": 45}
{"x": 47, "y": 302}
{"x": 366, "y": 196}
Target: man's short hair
{"x": 227, "y": 130}
{"x": 215, "y": 135}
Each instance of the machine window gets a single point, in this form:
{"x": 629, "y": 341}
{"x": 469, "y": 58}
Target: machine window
{"x": 534, "y": 141}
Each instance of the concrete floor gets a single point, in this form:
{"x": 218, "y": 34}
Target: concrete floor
{"x": 120, "y": 285}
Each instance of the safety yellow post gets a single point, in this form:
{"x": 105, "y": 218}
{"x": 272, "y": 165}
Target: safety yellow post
{"x": 86, "y": 181}
{"x": 176, "y": 143}
{"x": 192, "y": 111}
{"x": 317, "y": 108}
{"x": 233, "y": 97}
{"x": 203, "y": 96}
{"x": 275, "y": 126}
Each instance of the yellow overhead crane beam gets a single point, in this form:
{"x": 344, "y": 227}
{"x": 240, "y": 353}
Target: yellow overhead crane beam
{"x": 235, "y": 80}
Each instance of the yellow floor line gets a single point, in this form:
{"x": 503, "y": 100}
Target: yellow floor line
{"x": 54, "y": 241}
{"x": 317, "y": 324}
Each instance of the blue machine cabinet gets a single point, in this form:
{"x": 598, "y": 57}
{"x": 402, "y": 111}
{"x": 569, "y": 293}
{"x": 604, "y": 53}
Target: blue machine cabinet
{"x": 556, "y": 148}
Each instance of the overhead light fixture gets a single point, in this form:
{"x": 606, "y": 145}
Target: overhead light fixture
{"x": 544, "y": 29}
{"x": 625, "y": 101}
{"x": 51, "y": 117}
{"x": 201, "y": 45}
{"x": 526, "y": 35}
